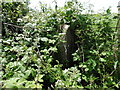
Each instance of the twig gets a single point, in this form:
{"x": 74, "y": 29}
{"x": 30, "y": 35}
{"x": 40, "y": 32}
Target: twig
{"x": 36, "y": 28}
{"x": 13, "y": 25}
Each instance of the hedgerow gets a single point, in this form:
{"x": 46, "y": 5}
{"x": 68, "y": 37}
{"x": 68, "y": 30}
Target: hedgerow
{"x": 28, "y": 57}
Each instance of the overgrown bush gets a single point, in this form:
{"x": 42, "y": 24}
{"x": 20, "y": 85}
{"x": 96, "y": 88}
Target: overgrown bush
{"x": 27, "y": 58}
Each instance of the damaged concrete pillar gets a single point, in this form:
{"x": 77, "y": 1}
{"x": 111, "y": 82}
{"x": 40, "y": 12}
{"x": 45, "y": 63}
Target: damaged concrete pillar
{"x": 65, "y": 49}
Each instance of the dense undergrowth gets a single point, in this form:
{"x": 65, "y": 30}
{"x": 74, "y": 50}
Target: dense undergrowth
{"x": 28, "y": 48}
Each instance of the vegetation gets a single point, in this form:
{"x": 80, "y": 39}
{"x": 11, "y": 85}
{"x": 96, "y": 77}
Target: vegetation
{"x": 31, "y": 39}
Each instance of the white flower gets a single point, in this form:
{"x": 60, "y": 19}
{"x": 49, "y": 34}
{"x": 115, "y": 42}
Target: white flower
{"x": 79, "y": 80}
{"x": 59, "y": 83}
{"x": 19, "y": 20}
{"x": 66, "y": 70}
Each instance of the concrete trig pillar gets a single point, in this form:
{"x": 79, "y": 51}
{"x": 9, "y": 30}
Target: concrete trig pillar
{"x": 67, "y": 48}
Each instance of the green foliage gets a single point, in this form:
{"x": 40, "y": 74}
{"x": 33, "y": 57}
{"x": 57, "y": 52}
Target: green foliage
{"x": 27, "y": 57}
{"x": 12, "y": 14}
{"x": 71, "y": 78}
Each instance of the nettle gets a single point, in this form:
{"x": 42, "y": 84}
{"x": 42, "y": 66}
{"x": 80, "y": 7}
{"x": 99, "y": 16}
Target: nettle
{"x": 28, "y": 59}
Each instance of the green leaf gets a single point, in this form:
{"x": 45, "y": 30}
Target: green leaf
{"x": 108, "y": 11}
{"x": 45, "y": 51}
{"x": 6, "y": 48}
{"x": 52, "y": 41}
{"x": 39, "y": 78}
{"x": 39, "y": 85}
{"x": 52, "y": 49}
{"x": 25, "y": 58}
{"x": 115, "y": 64}
{"x": 104, "y": 53}
{"x": 44, "y": 39}
{"x": 86, "y": 69}
{"x": 27, "y": 73}
{"x": 30, "y": 84}
{"x": 102, "y": 60}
